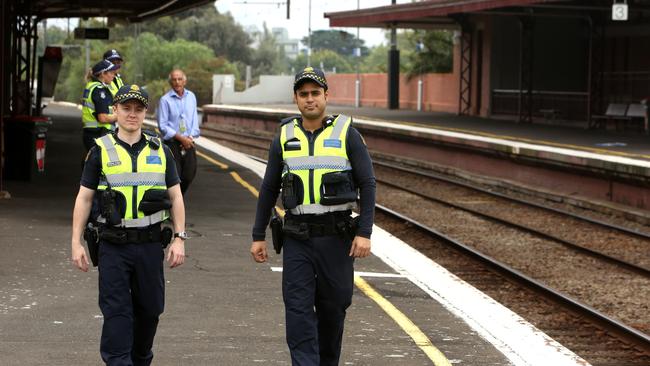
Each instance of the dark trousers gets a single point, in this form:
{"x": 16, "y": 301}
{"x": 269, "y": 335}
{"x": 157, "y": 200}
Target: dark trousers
{"x": 90, "y": 134}
{"x": 131, "y": 298}
{"x": 317, "y": 284}
{"x": 185, "y": 163}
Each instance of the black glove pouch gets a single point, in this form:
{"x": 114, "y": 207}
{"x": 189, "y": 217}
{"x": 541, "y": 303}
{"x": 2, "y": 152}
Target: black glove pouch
{"x": 337, "y": 188}
{"x": 112, "y": 206}
{"x": 155, "y": 200}
{"x": 292, "y": 191}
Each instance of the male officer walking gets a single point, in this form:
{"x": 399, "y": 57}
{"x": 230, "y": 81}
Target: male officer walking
{"x": 115, "y": 57}
{"x": 321, "y": 163}
{"x": 133, "y": 178}
{"x": 178, "y": 123}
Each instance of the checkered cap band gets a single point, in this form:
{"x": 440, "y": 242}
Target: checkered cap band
{"x": 311, "y": 76}
{"x": 119, "y": 98}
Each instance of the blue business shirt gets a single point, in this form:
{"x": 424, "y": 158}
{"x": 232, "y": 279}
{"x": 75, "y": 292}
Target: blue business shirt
{"x": 178, "y": 115}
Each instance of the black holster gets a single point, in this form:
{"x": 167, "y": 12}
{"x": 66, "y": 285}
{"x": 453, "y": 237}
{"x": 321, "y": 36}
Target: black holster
{"x": 347, "y": 229}
{"x": 276, "y": 231}
{"x": 91, "y": 237}
{"x": 166, "y": 236}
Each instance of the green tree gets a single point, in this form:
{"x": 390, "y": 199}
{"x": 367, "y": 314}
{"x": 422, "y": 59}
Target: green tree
{"x": 199, "y": 74}
{"x": 204, "y": 25}
{"x": 338, "y": 41}
{"x": 436, "y": 54}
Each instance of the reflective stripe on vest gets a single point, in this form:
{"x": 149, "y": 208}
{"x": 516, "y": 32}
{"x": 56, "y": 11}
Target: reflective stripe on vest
{"x": 119, "y": 174}
{"x": 88, "y": 107}
{"x": 329, "y": 155}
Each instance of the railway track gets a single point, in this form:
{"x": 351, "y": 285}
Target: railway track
{"x": 578, "y": 334}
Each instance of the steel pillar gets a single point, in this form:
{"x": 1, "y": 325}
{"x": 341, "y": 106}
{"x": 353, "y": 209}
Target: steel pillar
{"x": 465, "y": 97}
{"x": 525, "y": 101}
{"x": 596, "y": 57}
{"x": 23, "y": 55}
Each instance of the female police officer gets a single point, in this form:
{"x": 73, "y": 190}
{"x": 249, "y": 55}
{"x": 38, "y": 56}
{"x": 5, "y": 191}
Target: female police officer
{"x": 319, "y": 161}
{"x": 96, "y": 113}
{"x": 128, "y": 168}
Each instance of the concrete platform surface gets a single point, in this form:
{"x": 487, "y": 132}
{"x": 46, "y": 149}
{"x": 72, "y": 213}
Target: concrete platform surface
{"x": 221, "y": 307}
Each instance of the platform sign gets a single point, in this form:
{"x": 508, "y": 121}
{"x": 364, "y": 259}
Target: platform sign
{"x": 619, "y": 12}
{"x": 91, "y": 33}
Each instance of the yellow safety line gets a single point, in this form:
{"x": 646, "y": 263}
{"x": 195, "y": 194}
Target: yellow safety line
{"x": 420, "y": 339}
{"x": 217, "y": 163}
{"x": 244, "y": 183}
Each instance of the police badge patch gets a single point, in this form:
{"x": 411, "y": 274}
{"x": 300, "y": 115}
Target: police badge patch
{"x": 102, "y": 95}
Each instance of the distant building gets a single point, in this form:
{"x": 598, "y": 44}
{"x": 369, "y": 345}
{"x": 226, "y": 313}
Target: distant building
{"x": 290, "y": 46}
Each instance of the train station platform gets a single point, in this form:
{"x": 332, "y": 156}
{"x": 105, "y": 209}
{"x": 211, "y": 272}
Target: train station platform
{"x": 632, "y": 142}
{"x": 221, "y": 307}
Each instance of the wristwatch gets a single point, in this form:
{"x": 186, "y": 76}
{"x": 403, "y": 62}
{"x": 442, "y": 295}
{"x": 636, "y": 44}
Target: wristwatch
{"x": 182, "y": 235}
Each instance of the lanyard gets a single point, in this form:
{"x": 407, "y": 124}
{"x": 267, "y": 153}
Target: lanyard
{"x": 180, "y": 107}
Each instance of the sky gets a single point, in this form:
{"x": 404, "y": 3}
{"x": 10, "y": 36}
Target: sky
{"x": 274, "y": 13}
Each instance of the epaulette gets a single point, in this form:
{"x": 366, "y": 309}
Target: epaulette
{"x": 284, "y": 121}
{"x": 152, "y": 140}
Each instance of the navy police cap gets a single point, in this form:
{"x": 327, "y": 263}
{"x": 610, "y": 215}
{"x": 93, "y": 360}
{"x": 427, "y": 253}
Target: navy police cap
{"x": 103, "y": 66}
{"x": 128, "y": 92}
{"x": 112, "y": 55}
{"x": 311, "y": 74}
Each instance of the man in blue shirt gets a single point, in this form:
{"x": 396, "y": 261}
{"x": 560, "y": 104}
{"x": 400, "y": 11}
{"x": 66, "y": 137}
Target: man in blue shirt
{"x": 179, "y": 125}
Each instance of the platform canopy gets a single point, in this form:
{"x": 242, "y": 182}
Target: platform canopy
{"x": 131, "y": 10}
{"x": 445, "y": 13}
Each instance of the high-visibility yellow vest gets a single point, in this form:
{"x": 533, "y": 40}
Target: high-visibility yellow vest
{"x": 116, "y": 84}
{"x": 88, "y": 108}
{"x": 311, "y": 160}
{"x": 132, "y": 180}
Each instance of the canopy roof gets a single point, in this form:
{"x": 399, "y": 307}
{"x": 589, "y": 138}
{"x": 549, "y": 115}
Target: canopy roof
{"x": 131, "y": 10}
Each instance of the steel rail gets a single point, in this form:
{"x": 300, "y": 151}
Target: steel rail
{"x": 573, "y": 246}
{"x": 622, "y": 330}
{"x": 608, "y": 225}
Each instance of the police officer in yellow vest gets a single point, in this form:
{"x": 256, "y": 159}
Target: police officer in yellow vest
{"x": 323, "y": 166}
{"x": 128, "y": 188}
{"x": 115, "y": 57}
{"x": 96, "y": 113}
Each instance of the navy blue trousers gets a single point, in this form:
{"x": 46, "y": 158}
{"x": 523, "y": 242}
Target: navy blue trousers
{"x": 317, "y": 284}
{"x": 131, "y": 297}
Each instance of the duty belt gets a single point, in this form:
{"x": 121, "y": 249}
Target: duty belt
{"x": 131, "y": 236}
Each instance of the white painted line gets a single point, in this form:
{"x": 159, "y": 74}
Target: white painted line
{"x": 516, "y": 145}
{"x": 361, "y": 273}
{"x": 521, "y": 342}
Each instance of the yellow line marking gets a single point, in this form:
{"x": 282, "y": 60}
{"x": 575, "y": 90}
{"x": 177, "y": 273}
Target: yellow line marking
{"x": 217, "y": 163}
{"x": 420, "y": 339}
{"x": 244, "y": 183}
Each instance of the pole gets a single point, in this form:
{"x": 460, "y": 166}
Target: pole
{"x": 357, "y": 83}
{"x": 393, "y": 69}
{"x": 309, "y": 38}
{"x": 87, "y": 42}
{"x": 420, "y": 83}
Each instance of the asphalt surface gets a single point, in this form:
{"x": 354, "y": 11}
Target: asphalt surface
{"x": 221, "y": 307}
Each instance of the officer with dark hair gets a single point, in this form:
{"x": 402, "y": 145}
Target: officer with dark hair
{"x": 322, "y": 165}
{"x": 118, "y": 82}
{"x": 128, "y": 188}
